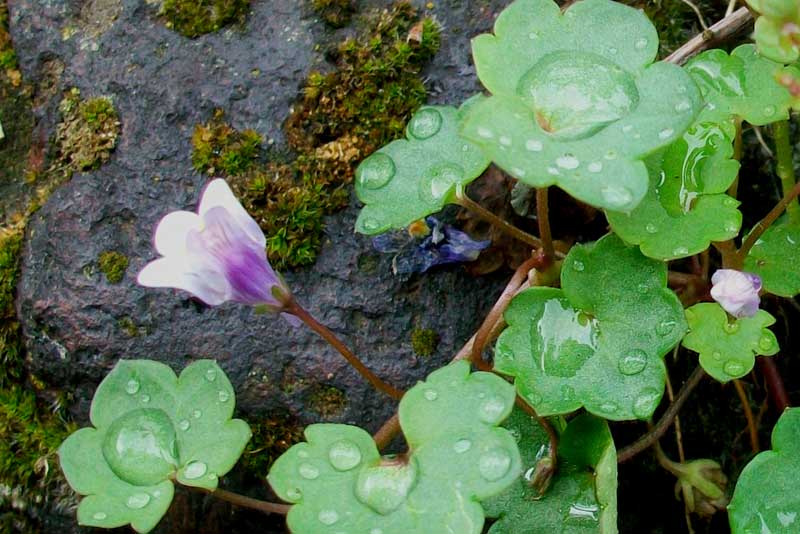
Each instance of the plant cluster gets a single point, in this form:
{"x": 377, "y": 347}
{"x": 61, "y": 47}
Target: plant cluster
{"x": 193, "y": 18}
{"x": 88, "y": 131}
{"x": 576, "y": 100}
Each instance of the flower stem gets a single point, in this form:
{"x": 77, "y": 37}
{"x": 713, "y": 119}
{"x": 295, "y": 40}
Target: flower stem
{"x": 325, "y": 333}
{"x": 543, "y": 217}
{"x": 762, "y": 225}
{"x": 775, "y": 386}
{"x": 752, "y": 429}
{"x": 246, "y": 502}
{"x": 385, "y": 434}
{"x": 501, "y": 224}
{"x": 785, "y": 167}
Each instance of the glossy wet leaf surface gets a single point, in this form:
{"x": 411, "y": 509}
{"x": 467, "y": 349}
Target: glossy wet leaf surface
{"x": 576, "y": 101}
{"x": 458, "y": 456}
{"x": 743, "y": 84}
{"x": 150, "y": 425}
{"x": 775, "y": 258}
{"x": 728, "y": 348}
{"x": 771, "y": 38}
{"x": 411, "y": 178}
{"x": 767, "y": 494}
{"x": 685, "y": 207}
{"x": 582, "y": 497}
{"x": 599, "y": 341}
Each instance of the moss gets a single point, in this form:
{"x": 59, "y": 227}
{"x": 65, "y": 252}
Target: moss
{"x": 113, "y": 264}
{"x": 8, "y": 58}
{"x": 88, "y": 131}
{"x": 193, "y": 18}
{"x": 336, "y": 13}
{"x": 327, "y": 401}
{"x": 272, "y": 436}
{"x": 127, "y": 325}
{"x": 221, "y": 149}
{"x": 424, "y": 341}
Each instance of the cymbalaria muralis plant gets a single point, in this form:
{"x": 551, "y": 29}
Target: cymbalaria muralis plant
{"x": 574, "y": 98}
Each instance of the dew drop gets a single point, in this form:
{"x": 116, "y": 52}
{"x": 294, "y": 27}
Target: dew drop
{"x": 733, "y": 368}
{"x": 211, "y": 375}
{"x": 439, "y": 181}
{"x": 645, "y": 403}
{"x": 145, "y": 398}
{"x": 99, "y": 516}
{"x": 790, "y": 240}
{"x": 516, "y": 171}
{"x": 223, "y": 396}
{"x": 665, "y": 133}
{"x": 462, "y": 446}
{"x": 627, "y": 128}
{"x": 184, "y": 425}
{"x": 730, "y": 202}
{"x": 632, "y": 363}
{"x": 665, "y": 328}
{"x": 731, "y": 328}
{"x": 682, "y": 89}
{"x": 194, "y": 470}
{"x": 344, "y": 455}
{"x": 680, "y": 251}
{"x": 533, "y": 35}
{"x": 505, "y": 140}
{"x": 683, "y": 105}
{"x": 370, "y": 225}
{"x": 533, "y": 145}
{"x": 308, "y": 471}
{"x": 732, "y": 228}
{"x": 651, "y": 228}
{"x": 616, "y": 195}
{"x": 425, "y": 123}
{"x": 765, "y": 343}
{"x": 431, "y": 394}
{"x": 385, "y": 487}
{"x": 613, "y": 51}
{"x": 485, "y": 133}
{"x": 567, "y": 393}
{"x": 534, "y": 399}
{"x": 640, "y": 43}
{"x": 376, "y": 171}
{"x": 595, "y": 166}
{"x": 769, "y": 110}
{"x": 328, "y": 517}
{"x": 197, "y": 414}
{"x": 553, "y": 171}
{"x": 568, "y": 161}
{"x": 376, "y": 530}
{"x": 578, "y": 265}
{"x": 717, "y": 356}
{"x": 609, "y": 407}
{"x": 294, "y": 494}
{"x": 137, "y": 501}
{"x": 491, "y": 411}
{"x": 494, "y": 464}
{"x": 132, "y": 387}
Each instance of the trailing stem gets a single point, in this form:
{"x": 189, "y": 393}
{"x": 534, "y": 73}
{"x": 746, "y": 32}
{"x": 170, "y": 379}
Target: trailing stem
{"x": 775, "y": 386}
{"x": 785, "y": 165}
{"x": 246, "y": 502}
{"x": 501, "y": 224}
{"x": 325, "y": 333}
{"x": 543, "y": 217}
{"x": 762, "y": 225}
{"x": 752, "y": 429}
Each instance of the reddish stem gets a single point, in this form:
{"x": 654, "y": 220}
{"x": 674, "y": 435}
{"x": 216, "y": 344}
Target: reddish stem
{"x": 775, "y": 386}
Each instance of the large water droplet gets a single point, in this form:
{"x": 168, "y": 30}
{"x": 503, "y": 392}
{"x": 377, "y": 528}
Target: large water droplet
{"x": 568, "y": 161}
{"x": 223, "y": 396}
{"x": 650, "y": 228}
{"x": 646, "y": 403}
{"x": 439, "y": 182}
{"x": 578, "y": 265}
{"x": 370, "y": 225}
{"x": 132, "y": 387}
{"x": 680, "y": 251}
{"x": 137, "y": 501}
{"x": 431, "y": 394}
{"x": 665, "y": 133}
{"x": 633, "y": 363}
{"x": 425, "y": 123}
{"x": 491, "y": 411}
{"x": 533, "y": 145}
{"x": 494, "y": 464}
{"x": 765, "y": 343}
{"x": 376, "y": 171}
{"x": 344, "y": 455}
{"x": 733, "y": 368}
{"x": 583, "y": 511}
{"x": 665, "y": 328}
{"x": 385, "y": 487}
{"x": 328, "y": 517}
{"x": 140, "y": 447}
{"x": 308, "y": 471}
{"x": 211, "y": 375}
{"x": 194, "y": 470}
{"x": 462, "y": 446}
{"x": 99, "y": 516}
{"x": 616, "y": 195}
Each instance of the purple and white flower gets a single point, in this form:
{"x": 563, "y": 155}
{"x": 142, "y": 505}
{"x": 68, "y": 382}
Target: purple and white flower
{"x": 217, "y": 254}
{"x": 736, "y": 292}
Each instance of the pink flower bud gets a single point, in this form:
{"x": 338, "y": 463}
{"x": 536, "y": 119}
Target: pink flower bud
{"x": 736, "y": 292}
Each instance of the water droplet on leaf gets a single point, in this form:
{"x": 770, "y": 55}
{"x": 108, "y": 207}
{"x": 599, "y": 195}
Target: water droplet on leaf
{"x": 533, "y": 145}
{"x": 578, "y": 265}
{"x": 194, "y": 470}
{"x": 99, "y": 516}
{"x": 132, "y": 387}
{"x": 308, "y": 471}
{"x": 184, "y": 424}
{"x": 616, "y": 195}
{"x": 646, "y": 403}
{"x": 385, "y": 487}
{"x": 595, "y": 166}
{"x": 223, "y": 396}
{"x": 197, "y": 414}
{"x": 664, "y": 328}
{"x": 731, "y": 327}
{"x": 505, "y": 140}
{"x": 491, "y": 411}
{"x": 344, "y": 455}
{"x": 733, "y": 368}
{"x": 633, "y": 363}
{"x": 294, "y": 494}
{"x": 765, "y": 343}
{"x": 640, "y": 43}
{"x": 494, "y": 464}
{"x": 425, "y": 123}
{"x": 145, "y": 398}
{"x": 431, "y": 394}
{"x": 651, "y": 228}
{"x": 568, "y": 161}
{"x": 484, "y": 132}
{"x": 665, "y": 133}
{"x": 211, "y": 375}
{"x": 328, "y": 517}
{"x": 138, "y": 500}
{"x": 462, "y": 445}
{"x": 376, "y": 171}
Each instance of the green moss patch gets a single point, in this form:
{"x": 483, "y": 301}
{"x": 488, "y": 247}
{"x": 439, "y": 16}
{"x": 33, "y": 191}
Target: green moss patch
{"x": 88, "y": 131}
{"x": 272, "y": 436}
{"x": 424, "y": 341}
{"x": 193, "y": 18}
{"x": 113, "y": 264}
{"x": 221, "y": 149}
{"x": 327, "y": 401}
{"x": 336, "y": 13}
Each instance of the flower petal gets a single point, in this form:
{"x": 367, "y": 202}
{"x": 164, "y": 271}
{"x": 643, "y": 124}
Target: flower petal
{"x": 218, "y": 194}
{"x": 171, "y": 233}
{"x": 206, "y": 284}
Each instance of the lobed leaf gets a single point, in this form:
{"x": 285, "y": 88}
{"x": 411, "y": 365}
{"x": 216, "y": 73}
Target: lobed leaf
{"x": 775, "y": 257}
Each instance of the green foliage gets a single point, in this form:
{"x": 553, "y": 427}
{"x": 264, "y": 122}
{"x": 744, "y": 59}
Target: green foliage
{"x": 599, "y": 341}
{"x": 221, "y": 149}
{"x": 766, "y": 497}
{"x": 411, "y": 178}
{"x": 777, "y": 33}
{"x": 193, "y": 18}
{"x": 113, "y": 265}
{"x": 685, "y": 207}
{"x": 424, "y": 341}
{"x": 775, "y": 257}
{"x": 576, "y": 101}
{"x": 336, "y": 13}
{"x": 582, "y": 497}
{"x": 151, "y": 427}
{"x": 8, "y": 58}
{"x": 88, "y": 131}
{"x": 728, "y": 346}
{"x": 458, "y": 456}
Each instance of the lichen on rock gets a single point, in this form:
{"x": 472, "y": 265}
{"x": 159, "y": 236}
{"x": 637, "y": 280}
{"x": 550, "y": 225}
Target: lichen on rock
{"x": 88, "y": 131}
{"x": 113, "y": 264}
{"x": 193, "y": 18}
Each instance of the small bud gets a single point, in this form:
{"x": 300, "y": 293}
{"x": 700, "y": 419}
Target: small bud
{"x": 703, "y": 485}
{"x": 736, "y": 292}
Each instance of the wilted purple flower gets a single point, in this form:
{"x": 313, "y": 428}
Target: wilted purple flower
{"x": 218, "y": 254}
{"x": 736, "y": 292}
{"x": 443, "y": 244}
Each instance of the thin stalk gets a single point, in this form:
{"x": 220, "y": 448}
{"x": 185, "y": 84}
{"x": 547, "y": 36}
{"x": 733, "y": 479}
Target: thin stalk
{"x": 543, "y": 218}
{"x": 762, "y": 225}
{"x": 733, "y": 190}
{"x": 752, "y": 429}
{"x": 325, "y": 333}
{"x": 385, "y": 434}
{"x": 501, "y": 224}
{"x": 545, "y": 424}
{"x": 660, "y": 428}
{"x": 730, "y": 258}
{"x": 775, "y": 386}
{"x": 785, "y": 167}
{"x": 245, "y": 502}
{"x": 718, "y": 32}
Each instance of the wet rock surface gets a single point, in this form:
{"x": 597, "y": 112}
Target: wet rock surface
{"x": 77, "y": 324}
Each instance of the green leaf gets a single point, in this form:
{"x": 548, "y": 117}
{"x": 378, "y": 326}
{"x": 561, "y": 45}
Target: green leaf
{"x": 150, "y": 426}
{"x": 599, "y": 342}
{"x": 744, "y": 84}
{"x": 582, "y": 497}
{"x": 776, "y": 29}
{"x": 766, "y": 498}
{"x": 727, "y": 348}
{"x": 685, "y": 207}
{"x": 338, "y": 482}
{"x": 775, "y": 257}
{"x": 576, "y": 101}
{"x": 411, "y": 178}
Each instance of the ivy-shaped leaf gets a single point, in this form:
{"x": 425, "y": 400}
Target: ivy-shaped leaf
{"x": 409, "y": 179}
{"x": 776, "y": 33}
{"x": 576, "y": 99}
{"x": 775, "y": 257}
{"x": 743, "y": 84}
{"x": 582, "y": 497}
{"x": 728, "y": 348}
{"x": 767, "y": 494}
{"x": 150, "y": 426}
{"x": 685, "y": 208}
{"x": 458, "y": 456}
{"x": 599, "y": 342}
